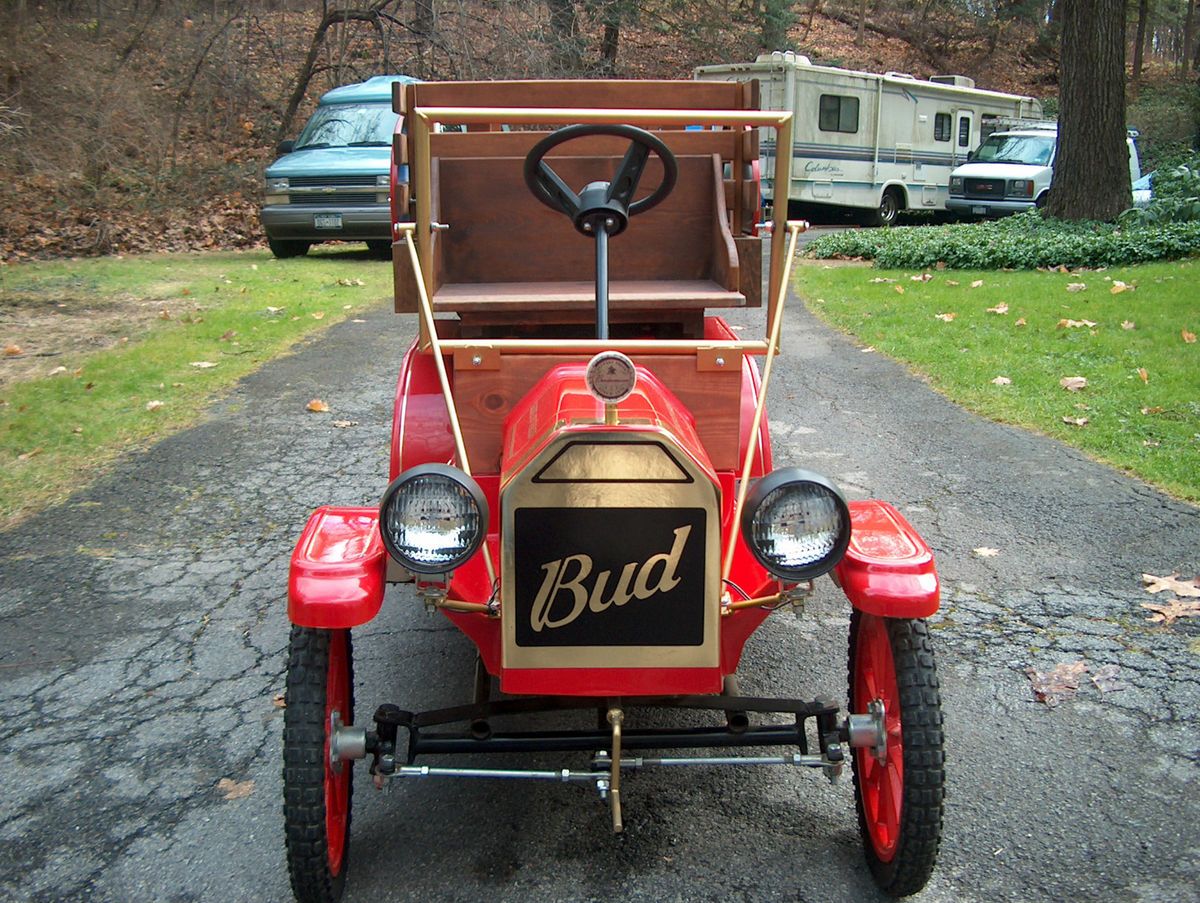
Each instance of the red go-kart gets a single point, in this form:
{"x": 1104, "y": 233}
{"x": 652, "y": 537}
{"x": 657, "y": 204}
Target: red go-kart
{"x": 582, "y": 479}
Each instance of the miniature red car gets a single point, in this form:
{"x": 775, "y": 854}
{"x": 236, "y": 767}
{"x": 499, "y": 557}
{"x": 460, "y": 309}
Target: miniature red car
{"x": 582, "y": 479}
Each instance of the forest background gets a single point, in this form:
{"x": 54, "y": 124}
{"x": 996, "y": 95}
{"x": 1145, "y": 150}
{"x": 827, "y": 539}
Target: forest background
{"x": 138, "y": 125}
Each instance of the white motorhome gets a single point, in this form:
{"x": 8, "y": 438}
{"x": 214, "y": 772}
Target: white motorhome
{"x": 885, "y": 143}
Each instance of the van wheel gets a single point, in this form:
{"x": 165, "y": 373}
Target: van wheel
{"x": 284, "y": 249}
{"x": 1042, "y": 200}
{"x": 889, "y": 209}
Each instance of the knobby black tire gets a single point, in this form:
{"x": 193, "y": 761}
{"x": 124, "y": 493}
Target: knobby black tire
{"x": 304, "y": 767}
{"x": 920, "y": 829}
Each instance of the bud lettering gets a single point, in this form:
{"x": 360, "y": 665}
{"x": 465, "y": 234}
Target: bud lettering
{"x": 565, "y": 580}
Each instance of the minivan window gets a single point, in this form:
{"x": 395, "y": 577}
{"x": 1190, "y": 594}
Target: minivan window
{"x": 1033, "y": 149}
{"x": 349, "y": 125}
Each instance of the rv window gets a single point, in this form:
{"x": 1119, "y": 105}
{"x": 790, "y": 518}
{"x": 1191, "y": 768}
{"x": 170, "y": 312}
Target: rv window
{"x": 838, "y": 114}
{"x": 964, "y": 132}
{"x": 941, "y": 127}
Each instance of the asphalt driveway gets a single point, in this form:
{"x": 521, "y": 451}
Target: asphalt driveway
{"x": 143, "y": 635}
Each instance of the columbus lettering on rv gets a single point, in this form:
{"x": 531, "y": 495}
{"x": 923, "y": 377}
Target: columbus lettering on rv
{"x": 823, "y": 166}
{"x": 567, "y": 578}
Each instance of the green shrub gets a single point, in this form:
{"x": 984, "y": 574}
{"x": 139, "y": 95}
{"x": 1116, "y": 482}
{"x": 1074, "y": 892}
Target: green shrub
{"x": 1022, "y": 242}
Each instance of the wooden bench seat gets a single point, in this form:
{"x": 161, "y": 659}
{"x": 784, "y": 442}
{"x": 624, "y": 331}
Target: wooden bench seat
{"x": 532, "y": 297}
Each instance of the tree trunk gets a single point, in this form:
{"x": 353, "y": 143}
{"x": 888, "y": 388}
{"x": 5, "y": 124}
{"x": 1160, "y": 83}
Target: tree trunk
{"x": 1189, "y": 35}
{"x": 776, "y": 19}
{"x": 1139, "y": 41}
{"x": 1091, "y": 168}
{"x": 423, "y": 24}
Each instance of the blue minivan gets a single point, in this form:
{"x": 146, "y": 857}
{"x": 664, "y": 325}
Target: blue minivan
{"x": 332, "y": 183}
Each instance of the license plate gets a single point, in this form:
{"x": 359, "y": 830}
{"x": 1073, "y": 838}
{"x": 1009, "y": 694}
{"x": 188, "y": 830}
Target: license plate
{"x": 979, "y": 210}
{"x": 327, "y": 220}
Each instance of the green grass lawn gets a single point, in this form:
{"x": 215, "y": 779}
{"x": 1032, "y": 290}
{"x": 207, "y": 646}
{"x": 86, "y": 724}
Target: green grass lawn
{"x": 1139, "y": 356}
{"x": 188, "y": 327}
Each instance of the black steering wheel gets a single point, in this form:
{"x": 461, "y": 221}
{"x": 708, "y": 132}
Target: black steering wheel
{"x": 606, "y": 205}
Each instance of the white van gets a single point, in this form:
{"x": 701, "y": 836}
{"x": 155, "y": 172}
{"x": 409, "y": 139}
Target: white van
{"x": 1012, "y": 170}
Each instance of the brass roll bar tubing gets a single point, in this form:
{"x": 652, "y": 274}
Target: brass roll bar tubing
{"x": 794, "y": 229}
{"x": 783, "y": 245}
{"x": 460, "y": 447}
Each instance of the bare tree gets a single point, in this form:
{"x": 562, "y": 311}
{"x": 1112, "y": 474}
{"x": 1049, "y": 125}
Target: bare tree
{"x": 1091, "y": 169}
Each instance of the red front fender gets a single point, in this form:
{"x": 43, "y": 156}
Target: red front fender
{"x": 336, "y": 577}
{"x": 888, "y": 569}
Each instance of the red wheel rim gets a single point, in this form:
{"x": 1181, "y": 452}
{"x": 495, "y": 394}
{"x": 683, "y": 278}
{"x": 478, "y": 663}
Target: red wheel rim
{"x": 337, "y": 783}
{"x": 881, "y": 784}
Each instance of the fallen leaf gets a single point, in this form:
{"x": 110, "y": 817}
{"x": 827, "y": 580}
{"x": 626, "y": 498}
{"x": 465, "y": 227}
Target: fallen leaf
{"x": 350, "y": 282}
{"x": 1189, "y": 337}
{"x": 985, "y": 552}
{"x": 235, "y": 790}
{"x": 1153, "y": 410}
{"x": 1058, "y": 684}
{"x": 153, "y": 405}
{"x": 1172, "y": 583}
{"x": 946, "y": 318}
{"x": 1143, "y": 375}
{"x": 279, "y": 700}
{"x": 30, "y": 454}
{"x": 343, "y": 424}
{"x": 1000, "y": 308}
{"x": 364, "y": 321}
{"x": 870, "y": 349}
{"x": 1127, "y": 324}
{"x": 318, "y": 315}
{"x": 275, "y": 310}
{"x": 1020, "y": 322}
{"x": 1001, "y": 381}
{"x": 317, "y": 406}
{"x": 1075, "y": 421}
{"x": 1073, "y": 383}
{"x": 1105, "y": 679}
{"x": 12, "y": 350}
{"x": 1118, "y": 286}
{"x": 1076, "y": 286}
{"x": 203, "y": 365}
{"x": 1150, "y": 443}
{"x": 164, "y": 314}
{"x": 1074, "y": 324}
{"x": 922, "y": 277}
{"x": 1166, "y": 613}
{"x": 899, "y": 289}
{"x": 57, "y": 370}
{"x": 951, "y": 282}
{"x": 977, "y": 283}
{"x": 879, "y": 279}
{"x": 225, "y": 337}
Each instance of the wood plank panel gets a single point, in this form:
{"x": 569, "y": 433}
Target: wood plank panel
{"x": 485, "y": 397}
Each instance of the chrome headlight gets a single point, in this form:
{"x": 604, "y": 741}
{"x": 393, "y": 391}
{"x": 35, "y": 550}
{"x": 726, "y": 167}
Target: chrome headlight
{"x": 276, "y": 185}
{"x": 433, "y": 518}
{"x": 796, "y": 523}
{"x": 383, "y": 181}
{"x": 956, "y": 184}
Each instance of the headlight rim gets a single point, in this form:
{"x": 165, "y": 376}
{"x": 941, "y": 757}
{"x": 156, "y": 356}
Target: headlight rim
{"x": 762, "y": 489}
{"x": 458, "y": 476}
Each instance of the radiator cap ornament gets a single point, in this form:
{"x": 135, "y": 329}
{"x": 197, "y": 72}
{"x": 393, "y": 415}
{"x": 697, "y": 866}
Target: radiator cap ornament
{"x": 611, "y": 377}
